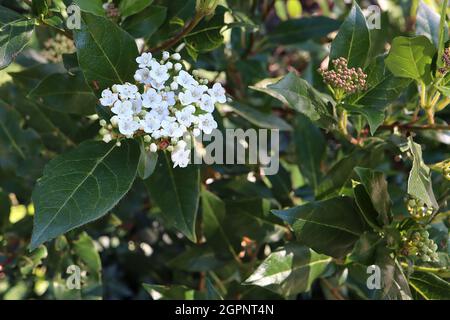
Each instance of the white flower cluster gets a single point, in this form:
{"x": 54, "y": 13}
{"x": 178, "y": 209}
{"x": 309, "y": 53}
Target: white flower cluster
{"x": 172, "y": 106}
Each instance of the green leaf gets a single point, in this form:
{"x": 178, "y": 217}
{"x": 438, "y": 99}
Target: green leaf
{"x": 377, "y": 188}
{"x": 310, "y": 147}
{"x": 114, "y": 50}
{"x": 175, "y": 292}
{"x": 411, "y": 58}
{"x": 91, "y": 6}
{"x": 300, "y": 96}
{"x": 260, "y": 119}
{"x": 353, "y": 39}
{"x": 65, "y": 93}
{"x": 18, "y": 146}
{"x": 39, "y": 7}
{"x": 330, "y": 227}
{"x": 207, "y": 35}
{"x": 129, "y": 7}
{"x": 176, "y": 191}
{"x": 15, "y": 33}
{"x": 429, "y": 286}
{"x": 145, "y": 23}
{"x": 81, "y": 186}
{"x": 213, "y": 218}
{"x": 147, "y": 162}
{"x": 419, "y": 181}
{"x": 299, "y": 30}
{"x": 290, "y": 270}
{"x": 366, "y": 207}
{"x": 383, "y": 88}
{"x": 428, "y": 23}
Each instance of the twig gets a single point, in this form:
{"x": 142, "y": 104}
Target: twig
{"x": 411, "y": 127}
{"x": 173, "y": 41}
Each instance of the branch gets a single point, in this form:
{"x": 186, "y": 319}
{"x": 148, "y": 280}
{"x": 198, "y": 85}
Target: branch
{"x": 173, "y": 41}
{"x": 412, "y": 127}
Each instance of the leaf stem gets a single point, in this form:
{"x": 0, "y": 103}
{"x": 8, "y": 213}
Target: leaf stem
{"x": 174, "y": 40}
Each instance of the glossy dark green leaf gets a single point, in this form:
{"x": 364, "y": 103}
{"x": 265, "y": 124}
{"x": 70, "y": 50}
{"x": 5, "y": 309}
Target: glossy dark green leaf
{"x": 18, "y": 146}
{"x": 366, "y": 207}
{"x": 427, "y": 23}
{"x": 145, "y": 23}
{"x": 300, "y": 96}
{"x": 330, "y": 227}
{"x": 310, "y": 149}
{"x": 419, "y": 181}
{"x": 176, "y": 191}
{"x": 429, "y": 286}
{"x": 130, "y": 7}
{"x": 114, "y": 50}
{"x": 91, "y": 6}
{"x": 383, "y": 88}
{"x": 65, "y": 93}
{"x": 353, "y": 39}
{"x": 207, "y": 35}
{"x": 147, "y": 162}
{"x": 411, "y": 58}
{"x": 15, "y": 33}
{"x": 81, "y": 186}
{"x": 376, "y": 187}
{"x": 260, "y": 119}
{"x": 298, "y": 30}
{"x": 289, "y": 270}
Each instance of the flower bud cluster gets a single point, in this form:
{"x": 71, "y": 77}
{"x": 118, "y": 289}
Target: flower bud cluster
{"x": 446, "y": 170}
{"x": 418, "y": 244}
{"x": 418, "y": 209}
{"x": 446, "y": 60}
{"x": 55, "y": 47}
{"x": 344, "y": 79}
{"x": 166, "y": 106}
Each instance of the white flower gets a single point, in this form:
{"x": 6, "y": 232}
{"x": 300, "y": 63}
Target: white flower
{"x": 169, "y": 65}
{"x": 157, "y": 85}
{"x": 197, "y": 92}
{"x": 207, "y": 103}
{"x": 108, "y": 98}
{"x": 206, "y": 123}
{"x": 151, "y": 98}
{"x": 142, "y": 76}
{"x": 127, "y": 126}
{"x": 165, "y": 55}
{"x": 161, "y": 111}
{"x": 153, "y": 147}
{"x": 185, "y": 80}
{"x": 144, "y": 60}
{"x": 174, "y": 86}
{"x": 172, "y": 129}
{"x": 196, "y": 132}
{"x": 123, "y": 109}
{"x": 150, "y": 123}
{"x": 185, "y": 116}
{"x": 136, "y": 104}
{"x": 157, "y": 134}
{"x": 176, "y": 56}
{"x": 217, "y": 92}
{"x": 178, "y": 66}
{"x": 186, "y": 98}
{"x": 180, "y": 155}
{"x": 107, "y": 138}
{"x": 169, "y": 97}
{"x": 127, "y": 91}
{"x": 159, "y": 73}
